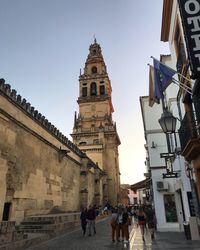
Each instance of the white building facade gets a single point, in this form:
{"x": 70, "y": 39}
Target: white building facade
{"x": 172, "y": 197}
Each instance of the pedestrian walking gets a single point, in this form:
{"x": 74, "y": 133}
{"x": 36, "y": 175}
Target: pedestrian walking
{"x": 141, "y": 220}
{"x": 151, "y": 220}
{"x": 119, "y": 225}
{"x": 127, "y": 220}
{"x": 113, "y": 223}
{"x": 83, "y": 218}
{"x": 122, "y": 224}
{"x": 91, "y": 216}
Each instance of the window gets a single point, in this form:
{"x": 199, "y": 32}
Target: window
{"x": 84, "y": 91}
{"x": 93, "y": 88}
{"x": 94, "y": 70}
{"x": 170, "y": 208}
{"x": 102, "y": 90}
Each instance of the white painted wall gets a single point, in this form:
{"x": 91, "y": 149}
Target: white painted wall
{"x": 153, "y": 133}
{"x": 172, "y": 90}
{"x": 177, "y": 185}
{"x": 162, "y": 225}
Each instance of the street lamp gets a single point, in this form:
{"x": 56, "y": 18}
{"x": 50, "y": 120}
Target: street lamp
{"x": 167, "y": 122}
{"x": 168, "y": 125}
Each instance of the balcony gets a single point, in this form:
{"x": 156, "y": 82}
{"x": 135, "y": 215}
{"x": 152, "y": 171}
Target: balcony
{"x": 189, "y": 137}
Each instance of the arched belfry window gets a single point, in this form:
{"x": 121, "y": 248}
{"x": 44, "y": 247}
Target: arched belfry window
{"x": 102, "y": 90}
{"x": 84, "y": 91}
{"x": 93, "y": 88}
{"x": 94, "y": 70}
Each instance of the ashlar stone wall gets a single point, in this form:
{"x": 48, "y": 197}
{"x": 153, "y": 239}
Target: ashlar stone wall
{"x": 40, "y": 169}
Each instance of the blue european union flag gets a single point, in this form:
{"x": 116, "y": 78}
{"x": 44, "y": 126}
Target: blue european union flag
{"x": 162, "y": 78}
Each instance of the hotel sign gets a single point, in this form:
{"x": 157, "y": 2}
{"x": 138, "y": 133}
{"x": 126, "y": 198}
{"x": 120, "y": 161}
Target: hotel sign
{"x": 190, "y": 14}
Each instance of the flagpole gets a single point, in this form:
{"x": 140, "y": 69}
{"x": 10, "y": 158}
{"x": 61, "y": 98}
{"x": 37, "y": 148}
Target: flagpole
{"x": 171, "y": 69}
{"x": 181, "y": 86}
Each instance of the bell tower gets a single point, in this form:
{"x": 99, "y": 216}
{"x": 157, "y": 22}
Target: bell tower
{"x": 94, "y": 130}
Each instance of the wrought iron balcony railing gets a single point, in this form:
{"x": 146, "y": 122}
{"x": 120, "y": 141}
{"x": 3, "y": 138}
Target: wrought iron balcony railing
{"x": 188, "y": 130}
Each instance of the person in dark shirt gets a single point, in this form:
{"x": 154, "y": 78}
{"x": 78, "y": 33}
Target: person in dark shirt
{"x": 91, "y": 216}
{"x": 83, "y": 218}
{"x": 151, "y": 220}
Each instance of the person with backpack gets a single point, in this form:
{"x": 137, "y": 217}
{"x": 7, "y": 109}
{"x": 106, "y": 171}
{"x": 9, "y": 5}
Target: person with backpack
{"x": 151, "y": 220}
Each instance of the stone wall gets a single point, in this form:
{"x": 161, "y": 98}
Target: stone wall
{"x": 39, "y": 167}
{"x": 3, "y": 171}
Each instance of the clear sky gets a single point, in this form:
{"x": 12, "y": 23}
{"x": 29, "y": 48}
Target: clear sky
{"x": 44, "y": 43}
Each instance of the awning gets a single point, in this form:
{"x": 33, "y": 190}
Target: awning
{"x": 141, "y": 184}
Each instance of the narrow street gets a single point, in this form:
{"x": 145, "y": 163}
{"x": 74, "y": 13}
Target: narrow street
{"x": 102, "y": 240}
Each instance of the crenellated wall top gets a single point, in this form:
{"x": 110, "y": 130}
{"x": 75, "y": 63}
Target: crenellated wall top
{"x": 11, "y": 94}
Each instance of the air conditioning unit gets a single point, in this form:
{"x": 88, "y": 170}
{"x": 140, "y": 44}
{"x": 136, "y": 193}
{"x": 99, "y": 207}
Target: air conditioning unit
{"x": 162, "y": 185}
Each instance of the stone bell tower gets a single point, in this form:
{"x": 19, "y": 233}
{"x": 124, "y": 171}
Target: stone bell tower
{"x": 94, "y": 130}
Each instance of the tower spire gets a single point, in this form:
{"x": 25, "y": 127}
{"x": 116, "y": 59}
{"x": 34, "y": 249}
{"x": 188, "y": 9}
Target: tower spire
{"x": 95, "y": 40}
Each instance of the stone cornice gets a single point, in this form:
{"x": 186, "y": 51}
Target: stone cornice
{"x": 93, "y": 99}
{"x": 166, "y": 19}
{"x": 85, "y": 77}
{"x": 25, "y": 107}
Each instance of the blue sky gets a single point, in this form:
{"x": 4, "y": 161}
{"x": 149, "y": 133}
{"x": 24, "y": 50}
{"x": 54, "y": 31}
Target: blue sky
{"x": 44, "y": 44}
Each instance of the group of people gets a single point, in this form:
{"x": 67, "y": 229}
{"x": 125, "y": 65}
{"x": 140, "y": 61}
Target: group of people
{"x": 88, "y": 217}
{"x": 120, "y": 220}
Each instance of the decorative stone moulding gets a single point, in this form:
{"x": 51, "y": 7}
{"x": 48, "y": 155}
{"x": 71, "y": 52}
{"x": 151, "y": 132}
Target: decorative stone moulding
{"x": 31, "y": 111}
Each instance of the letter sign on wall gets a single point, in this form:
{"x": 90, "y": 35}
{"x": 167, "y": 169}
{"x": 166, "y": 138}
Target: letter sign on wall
{"x": 190, "y": 15}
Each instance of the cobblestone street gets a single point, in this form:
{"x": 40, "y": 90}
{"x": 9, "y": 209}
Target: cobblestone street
{"x": 102, "y": 240}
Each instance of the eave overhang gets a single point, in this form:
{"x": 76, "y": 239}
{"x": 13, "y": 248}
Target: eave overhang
{"x": 166, "y": 20}
{"x": 141, "y": 184}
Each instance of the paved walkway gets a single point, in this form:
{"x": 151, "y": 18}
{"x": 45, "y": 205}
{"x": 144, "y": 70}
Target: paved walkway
{"x": 102, "y": 240}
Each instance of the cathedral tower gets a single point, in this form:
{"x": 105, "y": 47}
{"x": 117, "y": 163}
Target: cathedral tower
{"x": 94, "y": 131}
